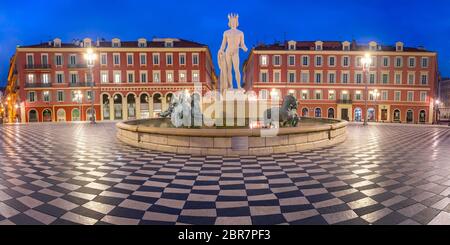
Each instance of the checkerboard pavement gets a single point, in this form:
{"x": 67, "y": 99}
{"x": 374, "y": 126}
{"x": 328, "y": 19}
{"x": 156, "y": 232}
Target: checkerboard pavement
{"x": 80, "y": 174}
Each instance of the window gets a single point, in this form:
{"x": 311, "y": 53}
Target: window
{"x": 411, "y": 78}
{"x": 305, "y": 76}
{"x": 58, "y": 60}
{"x": 46, "y": 96}
{"x": 169, "y": 59}
{"x": 318, "y": 61}
{"x": 277, "y": 60}
{"x": 318, "y": 95}
{"x": 72, "y": 59}
{"x": 168, "y": 44}
{"x": 398, "y": 78}
{"x": 60, "y": 77}
{"x": 169, "y": 76}
{"x": 397, "y": 95}
{"x": 44, "y": 59}
{"x": 156, "y": 76}
{"x": 374, "y": 61}
{"x": 195, "y": 59}
{"x": 73, "y": 77}
{"x": 143, "y": 59}
{"x": 89, "y": 77}
{"x": 358, "y": 78}
{"x": 130, "y": 76}
{"x": 144, "y": 77}
{"x": 412, "y": 62}
{"x": 305, "y": 60}
{"x": 89, "y": 95}
{"x": 358, "y": 95}
{"x": 142, "y": 43}
{"x": 264, "y": 77}
{"x": 30, "y": 59}
{"x": 264, "y": 95}
{"x": 60, "y": 96}
{"x": 305, "y": 94}
{"x": 30, "y": 78}
{"x": 384, "y": 95}
{"x": 385, "y": 78}
{"x": 195, "y": 76}
{"x": 183, "y": 76}
{"x": 117, "y": 77}
{"x": 182, "y": 59}
{"x": 423, "y": 79}
{"x": 424, "y": 62}
{"x": 104, "y": 77}
{"x": 423, "y": 96}
{"x": 291, "y": 60}
{"x": 103, "y": 59}
{"x": 345, "y": 77}
{"x": 155, "y": 59}
{"x": 116, "y": 58}
{"x": 331, "y": 77}
{"x": 32, "y": 96}
{"x": 276, "y": 76}
{"x": 264, "y": 60}
{"x": 358, "y": 61}
{"x": 372, "y": 78}
{"x": 331, "y": 95}
{"x": 332, "y": 61}
{"x": 345, "y": 61}
{"x": 130, "y": 59}
{"x": 318, "y": 77}
{"x": 410, "y": 96}
{"x": 291, "y": 76}
{"x": 398, "y": 62}
{"x": 385, "y": 61}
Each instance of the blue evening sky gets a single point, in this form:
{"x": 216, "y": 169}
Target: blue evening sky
{"x": 386, "y": 21}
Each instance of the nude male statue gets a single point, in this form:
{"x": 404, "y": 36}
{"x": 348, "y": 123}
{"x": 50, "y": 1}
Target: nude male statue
{"x": 233, "y": 40}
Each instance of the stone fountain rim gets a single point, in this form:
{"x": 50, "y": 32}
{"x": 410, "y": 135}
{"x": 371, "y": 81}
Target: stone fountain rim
{"x": 225, "y": 132}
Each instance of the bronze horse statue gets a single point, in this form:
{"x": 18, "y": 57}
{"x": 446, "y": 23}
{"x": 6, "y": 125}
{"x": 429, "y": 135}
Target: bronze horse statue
{"x": 286, "y": 114}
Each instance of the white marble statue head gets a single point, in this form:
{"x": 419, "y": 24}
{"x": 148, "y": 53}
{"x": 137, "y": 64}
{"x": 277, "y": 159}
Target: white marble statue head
{"x": 233, "y": 21}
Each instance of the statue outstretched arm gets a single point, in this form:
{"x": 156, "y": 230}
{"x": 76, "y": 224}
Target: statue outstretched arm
{"x": 242, "y": 43}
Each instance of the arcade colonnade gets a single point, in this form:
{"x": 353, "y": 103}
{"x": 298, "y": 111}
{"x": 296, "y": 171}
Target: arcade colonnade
{"x": 133, "y": 105}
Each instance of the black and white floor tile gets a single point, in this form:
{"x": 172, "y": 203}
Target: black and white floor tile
{"x": 80, "y": 174}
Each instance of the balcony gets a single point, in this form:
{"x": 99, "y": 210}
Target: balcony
{"x": 38, "y": 85}
{"x": 38, "y": 67}
{"x": 77, "y": 66}
{"x": 81, "y": 85}
{"x": 345, "y": 102}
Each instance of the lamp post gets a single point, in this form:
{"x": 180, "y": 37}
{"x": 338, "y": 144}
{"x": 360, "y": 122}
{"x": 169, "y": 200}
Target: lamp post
{"x": 90, "y": 57}
{"x": 366, "y": 62}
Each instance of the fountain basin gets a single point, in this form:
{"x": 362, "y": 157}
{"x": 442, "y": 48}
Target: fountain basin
{"x": 156, "y": 134}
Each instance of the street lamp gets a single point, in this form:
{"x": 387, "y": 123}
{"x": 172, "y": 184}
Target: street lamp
{"x": 90, "y": 57}
{"x": 366, "y": 63}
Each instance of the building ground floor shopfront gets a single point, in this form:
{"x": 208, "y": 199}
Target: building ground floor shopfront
{"x": 115, "y": 104}
{"x": 375, "y": 112}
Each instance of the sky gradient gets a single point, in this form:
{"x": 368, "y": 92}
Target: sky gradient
{"x": 414, "y": 22}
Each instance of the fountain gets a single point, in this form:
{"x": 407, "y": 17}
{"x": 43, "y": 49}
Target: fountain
{"x": 231, "y": 122}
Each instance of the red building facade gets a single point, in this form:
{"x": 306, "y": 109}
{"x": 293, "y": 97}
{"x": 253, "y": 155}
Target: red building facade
{"x": 131, "y": 80}
{"x": 329, "y": 80}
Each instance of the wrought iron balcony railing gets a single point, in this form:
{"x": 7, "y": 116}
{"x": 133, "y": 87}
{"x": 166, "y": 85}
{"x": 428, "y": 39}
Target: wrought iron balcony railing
{"x": 38, "y": 85}
{"x": 79, "y": 66}
{"x": 86, "y": 84}
{"x": 36, "y": 66}
{"x": 346, "y": 102}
